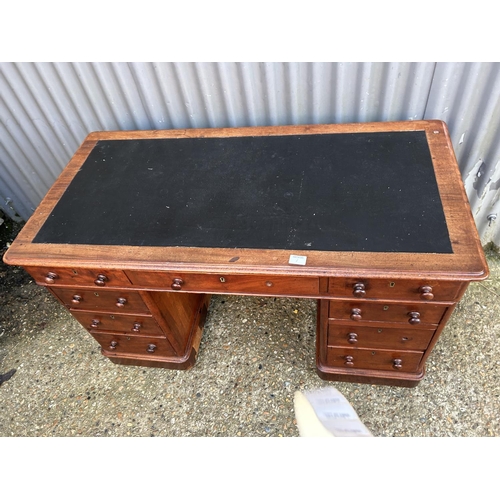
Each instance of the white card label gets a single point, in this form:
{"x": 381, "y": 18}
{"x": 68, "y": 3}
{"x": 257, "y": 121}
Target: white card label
{"x": 298, "y": 260}
{"x": 335, "y": 413}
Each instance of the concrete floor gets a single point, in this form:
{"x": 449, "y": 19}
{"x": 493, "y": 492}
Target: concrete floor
{"x": 255, "y": 353}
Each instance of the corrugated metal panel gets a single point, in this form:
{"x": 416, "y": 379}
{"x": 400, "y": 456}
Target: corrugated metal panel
{"x": 467, "y": 97}
{"x": 47, "y": 109}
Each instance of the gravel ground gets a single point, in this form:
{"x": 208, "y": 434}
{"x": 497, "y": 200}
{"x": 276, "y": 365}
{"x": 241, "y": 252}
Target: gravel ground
{"x": 254, "y": 354}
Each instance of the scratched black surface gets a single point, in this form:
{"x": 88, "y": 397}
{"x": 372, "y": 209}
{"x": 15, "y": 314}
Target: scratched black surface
{"x": 346, "y": 192}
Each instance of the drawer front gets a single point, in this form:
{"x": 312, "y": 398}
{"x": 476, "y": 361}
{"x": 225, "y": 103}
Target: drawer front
{"x": 103, "y": 300}
{"x": 140, "y": 346}
{"x": 413, "y": 339}
{"x": 376, "y": 359}
{"x": 130, "y": 324}
{"x": 424, "y": 290}
{"x": 413, "y": 314}
{"x": 80, "y": 277}
{"x": 223, "y": 283}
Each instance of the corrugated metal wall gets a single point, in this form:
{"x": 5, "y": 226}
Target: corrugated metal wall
{"x": 47, "y": 109}
{"x": 467, "y": 97}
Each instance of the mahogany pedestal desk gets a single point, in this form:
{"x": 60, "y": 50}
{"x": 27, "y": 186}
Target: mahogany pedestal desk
{"x": 371, "y": 219}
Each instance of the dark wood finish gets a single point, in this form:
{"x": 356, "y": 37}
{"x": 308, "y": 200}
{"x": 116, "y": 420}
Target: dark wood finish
{"x": 79, "y": 277}
{"x": 119, "y": 301}
{"x": 426, "y": 292}
{"x": 429, "y": 314}
{"x": 370, "y": 376}
{"x": 155, "y": 352}
{"x": 227, "y": 283}
{"x": 421, "y": 289}
{"x": 114, "y": 344}
{"x": 408, "y": 295}
{"x": 133, "y": 324}
{"x": 414, "y": 339}
{"x": 359, "y": 290}
{"x": 177, "y": 314}
{"x": 101, "y": 280}
{"x": 373, "y": 359}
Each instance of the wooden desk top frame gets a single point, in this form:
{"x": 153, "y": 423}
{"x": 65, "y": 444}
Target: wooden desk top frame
{"x": 466, "y": 263}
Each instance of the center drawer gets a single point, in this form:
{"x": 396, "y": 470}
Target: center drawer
{"x": 223, "y": 283}
{"x": 103, "y": 300}
{"x": 124, "y": 323}
{"x": 413, "y": 314}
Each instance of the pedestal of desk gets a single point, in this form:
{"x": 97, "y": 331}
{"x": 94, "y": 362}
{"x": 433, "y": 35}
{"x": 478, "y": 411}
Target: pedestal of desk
{"x": 372, "y": 349}
{"x": 160, "y": 352}
{"x": 133, "y": 327}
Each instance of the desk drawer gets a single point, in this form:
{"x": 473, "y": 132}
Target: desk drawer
{"x": 224, "y": 283}
{"x": 130, "y": 323}
{"x": 116, "y": 345}
{"x": 78, "y": 277}
{"x": 413, "y": 314}
{"x": 413, "y": 339}
{"x": 119, "y": 301}
{"x": 424, "y": 290}
{"x": 373, "y": 359}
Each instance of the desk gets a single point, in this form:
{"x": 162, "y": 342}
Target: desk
{"x": 372, "y": 220}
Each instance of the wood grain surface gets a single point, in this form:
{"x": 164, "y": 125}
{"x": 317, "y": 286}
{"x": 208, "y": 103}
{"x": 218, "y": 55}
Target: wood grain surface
{"x": 467, "y": 261}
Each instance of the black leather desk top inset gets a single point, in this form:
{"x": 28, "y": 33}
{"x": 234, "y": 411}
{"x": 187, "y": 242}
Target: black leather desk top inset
{"x": 371, "y": 192}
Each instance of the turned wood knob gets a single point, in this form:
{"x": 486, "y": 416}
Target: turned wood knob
{"x": 356, "y": 314}
{"x": 359, "y": 290}
{"x": 101, "y": 280}
{"x": 121, "y": 302}
{"x": 177, "y": 283}
{"x": 95, "y": 323}
{"x": 397, "y": 363}
{"x": 76, "y": 299}
{"x": 113, "y": 344}
{"x": 426, "y": 292}
{"x": 50, "y": 278}
{"x": 137, "y": 327}
{"x": 151, "y": 348}
{"x": 349, "y": 360}
{"x": 414, "y": 318}
{"x": 352, "y": 338}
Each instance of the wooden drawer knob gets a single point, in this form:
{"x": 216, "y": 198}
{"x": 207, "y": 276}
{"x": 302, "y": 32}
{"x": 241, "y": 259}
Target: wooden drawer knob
{"x": 121, "y": 302}
{"x": 101, "y": 280}
{"x": 352, "y": 338}
{"x": 359, "y": 290}
{"x": 95, "y": 323}
{"x": 177, "y": 284}
{"x": 397, "y": 363}
{"x": 356, "y": 314}
{"x": 50, "y": 278}
{"x": 136, "y": 328}
{"x": 151, "y": 348}
{"x": 426, "y": 292}
{"x": 414, "y": 318}
{"x": 76, "y": 299}
{"x": 349, "y": 361}
{"x": 113, "y": 345}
